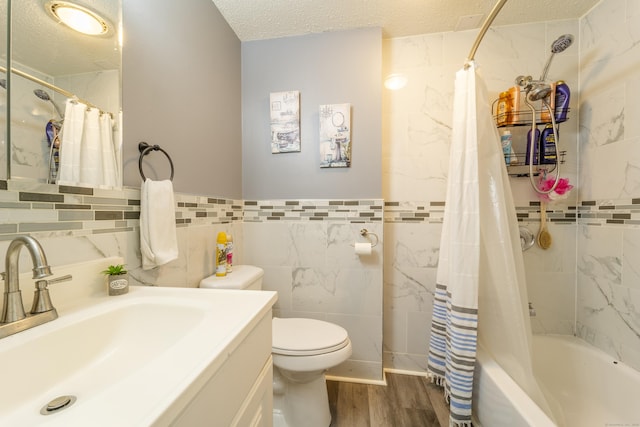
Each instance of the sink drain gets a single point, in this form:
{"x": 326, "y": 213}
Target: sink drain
{"x": 57, "y": 405}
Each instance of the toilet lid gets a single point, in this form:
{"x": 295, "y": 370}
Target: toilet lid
{"x": 306, "y": 337}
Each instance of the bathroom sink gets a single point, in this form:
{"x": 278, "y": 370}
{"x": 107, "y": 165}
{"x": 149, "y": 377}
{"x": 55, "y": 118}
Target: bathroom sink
{"x": 135, "y": 359}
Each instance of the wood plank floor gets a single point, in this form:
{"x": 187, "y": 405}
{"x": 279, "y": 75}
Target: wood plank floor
{"x": 406, "y": 401}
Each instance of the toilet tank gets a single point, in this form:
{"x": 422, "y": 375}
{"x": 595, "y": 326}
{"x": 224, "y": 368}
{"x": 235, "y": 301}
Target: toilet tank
{"x": 242, "y": 277}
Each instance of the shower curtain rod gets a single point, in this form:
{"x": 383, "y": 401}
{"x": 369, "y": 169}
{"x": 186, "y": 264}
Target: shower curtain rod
{"x": 484, "y": 29}
{"x": 49, "y": 86}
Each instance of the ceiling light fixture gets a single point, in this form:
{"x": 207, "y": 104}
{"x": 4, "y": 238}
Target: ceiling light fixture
{"x": 78, "y": 18}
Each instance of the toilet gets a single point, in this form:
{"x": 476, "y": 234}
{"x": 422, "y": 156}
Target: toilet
{"x": 302, "y": 350}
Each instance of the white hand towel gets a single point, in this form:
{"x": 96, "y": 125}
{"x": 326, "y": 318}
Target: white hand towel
{"x": 158, "y": 240}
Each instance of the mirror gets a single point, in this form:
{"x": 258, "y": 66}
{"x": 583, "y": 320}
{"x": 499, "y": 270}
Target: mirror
{"x": 50, "y": 64}
{"x": 3, "y": 92}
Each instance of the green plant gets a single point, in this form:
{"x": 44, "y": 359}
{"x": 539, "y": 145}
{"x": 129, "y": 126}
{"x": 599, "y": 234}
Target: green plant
{"x": 115, "y": 270}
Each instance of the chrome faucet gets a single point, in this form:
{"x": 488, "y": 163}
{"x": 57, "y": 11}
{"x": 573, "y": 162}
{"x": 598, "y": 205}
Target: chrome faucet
{"x": 14, "y": 319}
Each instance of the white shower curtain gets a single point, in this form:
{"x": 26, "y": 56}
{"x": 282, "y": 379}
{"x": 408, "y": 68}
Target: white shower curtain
{"x": 91, "y": 149}
{"x": 481, "y": 289}
{"x": 72, "y": 131}
{"x": 87, "y": 152}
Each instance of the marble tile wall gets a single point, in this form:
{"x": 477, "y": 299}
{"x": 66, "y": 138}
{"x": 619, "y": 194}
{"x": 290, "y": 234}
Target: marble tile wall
{"x": 608, "y": 291}
{"x": 29, "y": 114}
{"x": 29, "y": 117}
{"x": 305, "y": 248}
{"x": 76, "y": 224}
{"x": 586, "y": 283}
{"x": 417, "y": 123}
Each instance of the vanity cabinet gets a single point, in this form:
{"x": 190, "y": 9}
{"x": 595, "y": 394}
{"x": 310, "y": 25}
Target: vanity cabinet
{"x": 240, "y": 391}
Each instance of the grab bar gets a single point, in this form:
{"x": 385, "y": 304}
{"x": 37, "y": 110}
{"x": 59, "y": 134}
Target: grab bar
{"x": 145, "y": 149}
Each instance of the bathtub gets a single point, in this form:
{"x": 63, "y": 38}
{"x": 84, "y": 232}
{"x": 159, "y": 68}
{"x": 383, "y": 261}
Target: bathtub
{"x": 592, "y": 388}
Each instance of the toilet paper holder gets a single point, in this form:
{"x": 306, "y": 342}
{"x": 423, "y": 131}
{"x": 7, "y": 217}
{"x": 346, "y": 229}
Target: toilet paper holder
{"x": 364, "y": 233}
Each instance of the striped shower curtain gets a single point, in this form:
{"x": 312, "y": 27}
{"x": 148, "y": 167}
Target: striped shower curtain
{"x": 481, "y": 296}
{"x": 454, "y": 326}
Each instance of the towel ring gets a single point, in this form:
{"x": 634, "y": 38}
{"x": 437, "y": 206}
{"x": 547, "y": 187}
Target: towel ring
{"x": 145, "y": 149}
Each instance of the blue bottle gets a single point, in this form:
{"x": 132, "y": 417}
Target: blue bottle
{"x": 548, "y": 146}
{"x": 507, "y": 149}
{"x": 562, "y": 97}
{"x": 532, "y": 144}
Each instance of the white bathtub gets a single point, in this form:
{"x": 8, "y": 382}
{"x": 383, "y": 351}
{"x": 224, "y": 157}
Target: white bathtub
{"x": 592, "y": 388}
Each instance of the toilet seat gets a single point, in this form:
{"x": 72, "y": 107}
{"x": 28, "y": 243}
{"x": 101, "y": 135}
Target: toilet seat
{"x": 307, "y": 337}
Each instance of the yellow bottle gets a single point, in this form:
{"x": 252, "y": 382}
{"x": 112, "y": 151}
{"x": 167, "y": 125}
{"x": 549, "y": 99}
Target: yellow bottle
{"x": 221, "y": 254}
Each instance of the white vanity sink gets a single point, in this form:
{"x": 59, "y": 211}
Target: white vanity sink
{"x": 138, "y": 359}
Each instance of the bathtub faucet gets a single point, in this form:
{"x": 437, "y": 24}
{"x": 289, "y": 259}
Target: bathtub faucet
{"x": 14, "y": 318}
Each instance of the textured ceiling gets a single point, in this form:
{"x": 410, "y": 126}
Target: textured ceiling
{"x": 43, "y": 44}
{"x": 267, "y": 19}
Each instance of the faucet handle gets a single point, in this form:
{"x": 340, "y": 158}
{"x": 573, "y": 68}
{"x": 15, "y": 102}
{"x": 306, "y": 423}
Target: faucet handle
{"x": 41, "y": 297}
{"x": 43, "y": 283}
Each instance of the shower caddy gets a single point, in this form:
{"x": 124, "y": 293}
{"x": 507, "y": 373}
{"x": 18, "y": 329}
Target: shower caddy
{"x": 525, "y": 118}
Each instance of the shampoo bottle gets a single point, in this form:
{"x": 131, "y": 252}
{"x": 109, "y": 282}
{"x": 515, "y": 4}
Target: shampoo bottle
{"x": 548, "y": 145}
{"x": 514, "y": 105}
{"x": 507, "y": 149}
{"x": 229, "y": 250}
{"x": 545, "y": 114}
{"x": 532, "y": 145}
{"x": 221, "y": 254}
{"x": 502, "y": 111}
{"x": 563, "y": 95}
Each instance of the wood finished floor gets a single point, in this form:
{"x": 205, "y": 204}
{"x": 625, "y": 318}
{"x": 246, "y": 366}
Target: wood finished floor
{"x": 406, "y": 401}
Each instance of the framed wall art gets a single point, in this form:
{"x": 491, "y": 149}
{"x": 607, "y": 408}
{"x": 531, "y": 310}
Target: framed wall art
{"x": 285, "y": 121}
{"x": 335, "y": 136}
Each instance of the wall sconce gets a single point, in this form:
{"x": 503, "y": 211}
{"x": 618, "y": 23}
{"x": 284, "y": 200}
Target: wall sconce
{"x": 78, "y": 18}
{"x": 395, "y": 81}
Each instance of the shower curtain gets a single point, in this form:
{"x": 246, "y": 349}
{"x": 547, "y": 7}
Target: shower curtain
{"x": 87, "y": 151}
{"x": 480, "y": 285}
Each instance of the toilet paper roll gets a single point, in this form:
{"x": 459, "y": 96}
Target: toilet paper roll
{"x": 363, "y": 248}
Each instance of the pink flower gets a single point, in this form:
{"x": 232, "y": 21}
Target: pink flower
{"x": 560, "y": 192}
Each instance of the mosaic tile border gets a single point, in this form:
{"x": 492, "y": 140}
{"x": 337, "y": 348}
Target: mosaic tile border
{"x": 609, "y": 212}
{"x": 413, "y": 212}
{"x": 602, "y": 212}
{"x": 355, "y": 211}
{"x": 59, "y": 210}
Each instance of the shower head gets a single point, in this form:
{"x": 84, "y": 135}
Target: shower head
{"x": 42, "y": 94}
{"x": 535, "y": 89}
{"x": 558, "y": 46}
{"x": 538, "y": 91}
{"x": 562, "y": 43}
{"x": 45, "y": 97}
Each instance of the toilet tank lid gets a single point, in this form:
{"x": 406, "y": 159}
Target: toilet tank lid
{"x": 240, "y": 278}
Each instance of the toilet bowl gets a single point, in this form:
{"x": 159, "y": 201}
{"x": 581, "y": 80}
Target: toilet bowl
{"x": 302, "y": 350}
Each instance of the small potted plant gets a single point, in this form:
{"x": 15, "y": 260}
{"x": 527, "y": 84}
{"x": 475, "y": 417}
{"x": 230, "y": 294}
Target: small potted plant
{"x": 118, "y": 279}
